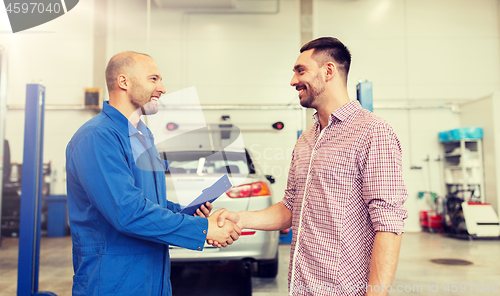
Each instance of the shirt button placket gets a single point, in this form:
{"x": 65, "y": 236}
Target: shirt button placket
{"x": 297, "y": 243}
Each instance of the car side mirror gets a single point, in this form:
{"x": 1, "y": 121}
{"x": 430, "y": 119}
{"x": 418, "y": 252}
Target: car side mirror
{"x": 270, "y": 178}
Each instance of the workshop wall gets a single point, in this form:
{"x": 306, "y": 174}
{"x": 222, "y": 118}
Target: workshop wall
{"x": 229, "y": 58}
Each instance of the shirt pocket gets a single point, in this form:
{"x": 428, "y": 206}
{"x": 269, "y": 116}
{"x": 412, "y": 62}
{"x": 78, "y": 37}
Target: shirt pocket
{"x": 340, "y": 165}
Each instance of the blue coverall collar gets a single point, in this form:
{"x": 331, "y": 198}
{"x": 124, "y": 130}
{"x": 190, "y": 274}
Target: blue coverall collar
{"x": 123, "y": 123}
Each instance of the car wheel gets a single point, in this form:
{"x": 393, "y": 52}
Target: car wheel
{"x": 268, "y": 268}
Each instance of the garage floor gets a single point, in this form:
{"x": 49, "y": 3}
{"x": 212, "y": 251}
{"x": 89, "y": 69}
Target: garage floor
{"x": 416, "y": 274}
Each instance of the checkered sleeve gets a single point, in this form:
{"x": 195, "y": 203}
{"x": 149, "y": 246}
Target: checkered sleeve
{"x": 291, "y": 187}
{"x": 384, "y": 190}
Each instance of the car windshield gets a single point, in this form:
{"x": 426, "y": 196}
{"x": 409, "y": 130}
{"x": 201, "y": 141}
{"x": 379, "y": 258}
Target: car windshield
{"x": 208, "y": 162}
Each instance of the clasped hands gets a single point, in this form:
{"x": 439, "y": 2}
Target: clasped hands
{"x": 222, "y": 229}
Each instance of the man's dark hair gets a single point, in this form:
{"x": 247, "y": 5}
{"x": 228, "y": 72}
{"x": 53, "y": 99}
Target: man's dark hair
{"x": 121, "y": 63}
{"x": 327, "y": 49}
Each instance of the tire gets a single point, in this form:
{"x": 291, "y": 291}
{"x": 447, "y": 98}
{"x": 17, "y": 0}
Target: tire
{"x": 268, "y": 268}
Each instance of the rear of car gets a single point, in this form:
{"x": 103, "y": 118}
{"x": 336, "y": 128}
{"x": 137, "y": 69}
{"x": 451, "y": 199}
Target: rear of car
{"x": 191, "y": 171}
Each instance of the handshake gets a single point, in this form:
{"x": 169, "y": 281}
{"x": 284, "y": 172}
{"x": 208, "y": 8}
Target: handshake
{"x": 223, "y": 228}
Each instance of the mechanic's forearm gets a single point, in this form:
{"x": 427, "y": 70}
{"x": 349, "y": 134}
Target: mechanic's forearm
{"x": 276, "y": 217}
{"x": 384, "y": 262}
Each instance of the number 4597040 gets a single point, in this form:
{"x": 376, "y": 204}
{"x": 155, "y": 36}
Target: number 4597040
{"x": 477, "y": 286}
{"x": 33, "y": 8}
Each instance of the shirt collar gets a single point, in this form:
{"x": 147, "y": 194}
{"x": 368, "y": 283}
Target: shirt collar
{"x": 141, "y": 129}
{"x": 122, "y": 122}
{"x": 341, "y": 113}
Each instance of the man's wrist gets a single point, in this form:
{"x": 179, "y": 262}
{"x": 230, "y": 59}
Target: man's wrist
{"x": 242, "y": 221}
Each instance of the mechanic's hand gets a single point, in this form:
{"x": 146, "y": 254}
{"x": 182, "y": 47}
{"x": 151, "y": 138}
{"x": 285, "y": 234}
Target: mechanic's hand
{"x": 223, "y": 216}
{"x": 224, "y": 235}
{"x": 204, "y": 210}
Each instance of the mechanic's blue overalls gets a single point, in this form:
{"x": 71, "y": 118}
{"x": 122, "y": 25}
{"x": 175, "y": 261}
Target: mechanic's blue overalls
{"x": 121, "y": 222}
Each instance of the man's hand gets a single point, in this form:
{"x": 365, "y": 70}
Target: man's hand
{"x": 224, "y": 235}
{"x": 204, "y": 210}
{"x": 231, "y": 216}
{"x": 276, "y": 217}
{"x": 226, "y": 215}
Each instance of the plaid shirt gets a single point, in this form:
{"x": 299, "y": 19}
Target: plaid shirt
{"x": 345, "y": 183}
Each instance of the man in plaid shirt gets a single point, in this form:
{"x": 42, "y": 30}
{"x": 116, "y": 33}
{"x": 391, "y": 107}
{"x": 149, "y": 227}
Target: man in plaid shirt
{"x": 345, "y": 191}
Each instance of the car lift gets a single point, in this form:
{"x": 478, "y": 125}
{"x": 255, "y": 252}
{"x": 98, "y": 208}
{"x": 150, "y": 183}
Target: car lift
{"x": 3, "y": 113}
{"x": 31, "y": 193}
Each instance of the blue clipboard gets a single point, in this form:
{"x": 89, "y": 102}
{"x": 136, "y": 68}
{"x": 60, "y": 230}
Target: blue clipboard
{"x": 210, "y": 194}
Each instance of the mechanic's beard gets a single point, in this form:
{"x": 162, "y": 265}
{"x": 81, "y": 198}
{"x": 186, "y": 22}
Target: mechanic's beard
{"x": 148, "y": 108}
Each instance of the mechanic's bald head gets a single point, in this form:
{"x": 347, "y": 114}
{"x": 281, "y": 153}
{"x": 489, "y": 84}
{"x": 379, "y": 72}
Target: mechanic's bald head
{"x": 121, "y": 63}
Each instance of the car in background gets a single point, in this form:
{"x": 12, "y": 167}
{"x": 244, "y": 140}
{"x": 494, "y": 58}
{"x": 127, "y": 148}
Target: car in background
{"x": 189, "y": 172}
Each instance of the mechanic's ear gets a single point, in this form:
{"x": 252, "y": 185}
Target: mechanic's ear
{"x": 122, "y": 82}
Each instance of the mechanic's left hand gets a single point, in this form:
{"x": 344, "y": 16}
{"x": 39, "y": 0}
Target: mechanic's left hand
{"x": 204, "y": 210}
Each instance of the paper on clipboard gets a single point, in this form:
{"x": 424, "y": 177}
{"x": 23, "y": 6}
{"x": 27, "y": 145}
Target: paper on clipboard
{"x": 210, "y": 194}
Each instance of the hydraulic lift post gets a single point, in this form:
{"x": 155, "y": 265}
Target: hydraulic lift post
{"x": 3, "y": 114}
{"x": 31, "y": 193}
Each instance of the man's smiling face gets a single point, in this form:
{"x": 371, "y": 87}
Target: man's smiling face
{"x": 308, "y": 79}
{"x": 147, "y": 86}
